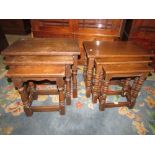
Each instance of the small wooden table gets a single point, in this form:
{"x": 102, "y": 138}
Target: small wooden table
{"x": 109, "y": 50}
{"x": 23, "y": 78}
{"x": 46, "y": 47}
{"x": 131, "y": 77}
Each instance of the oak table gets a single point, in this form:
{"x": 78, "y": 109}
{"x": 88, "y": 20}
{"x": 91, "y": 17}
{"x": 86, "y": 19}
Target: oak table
{"x": 23, "y": 78}
{"x": 130, "y": 77}
{"x": 47, "y": 47}
{"x": 124, "y": 51}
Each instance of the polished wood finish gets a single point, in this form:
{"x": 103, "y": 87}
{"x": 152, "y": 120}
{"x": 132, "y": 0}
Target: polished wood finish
{"x": 43, "y": 46}
{"x": 110, "y": 71}
{"x": 80, "y": 29}
{"x": 51, "y": 51}
{"x": 143, "y": 29}
{"x": 143, "y": 33}
{"x": 112, "y": 51}
{"x": 38, "y": 60}
{"x": 68, "y": 84}
{"x": 115, "y": 49}
{"x": 43, "y": 60}
{"x": 124, "y": 60}
{"x": 121, "y": 69}
{"x": 52, "y": 28}
{"x": 46, "y": 62}
{"x": 37, "y": 71}
{"x": 70, "y": 27}
{"x": 22, "y": 74}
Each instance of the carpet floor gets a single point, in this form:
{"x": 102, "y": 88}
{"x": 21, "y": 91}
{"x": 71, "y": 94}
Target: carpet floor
{"x": 81, "y": 118}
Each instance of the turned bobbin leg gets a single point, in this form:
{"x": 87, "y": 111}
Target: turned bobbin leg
{"x": 97, "y": 83}
{"x": 74, "y": 72}
{"x": 101, "y": 79}
{"x": 60, "y": 85}
{"x": 135, "y": 84}
{"x": 136, "y": 89}
{"x": 102, "y": 98}
{"x": 24, "y": 95}
{"x": 89, "y": 76}
{"x": 131, "y": 90}
{"x": 68, "y": 84}
{"x": 125, "y": 89}
{"x": 32, "y": 90}
{"x": 85, "y": 67}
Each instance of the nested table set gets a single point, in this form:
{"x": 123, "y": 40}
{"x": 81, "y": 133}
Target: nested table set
{"x": 115, "y": 63}
{"x": 54, "y": 61}
{"x": 44, "y": 60}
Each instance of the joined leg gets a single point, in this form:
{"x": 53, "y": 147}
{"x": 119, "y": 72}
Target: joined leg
{"x": 125, "y": 89}
{"x": 24, "y": 96}
{"x": 135, "y": 90}
{"x": 97, "y": 83}
{"x": 101, "y": 78}
{"x": 60, "y": 84}
{"x": 89, "y": 76}
{"x": 68, "y": 84}
{"x": 32, "y": 91}
{"x": 102, "y": 99}
{"x": 85, "y": 68}
{"x": 74, "y": 69}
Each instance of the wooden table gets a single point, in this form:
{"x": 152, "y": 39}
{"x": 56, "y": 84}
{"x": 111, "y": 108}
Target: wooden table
{"x": 109, "y": 50}
{"x": 47, "y": 47}
{"x": 24, "y": 79}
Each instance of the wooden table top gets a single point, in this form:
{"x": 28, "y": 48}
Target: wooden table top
{"x": 43, "y": 46}
{"x": 38, "y": 60}
{"x": 114, "y": 49}
{"x": 41, "y": 71}
{"x": 123, "y": 60}
{"x": 127, "y": 69}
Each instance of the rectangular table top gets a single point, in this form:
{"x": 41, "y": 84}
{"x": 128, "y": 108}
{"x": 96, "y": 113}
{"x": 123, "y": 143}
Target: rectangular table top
{"x": 115, "y": 49}
{"x": 38, "y": 60}
{"x": 43, "y": 46}
{"x": 42, "y": 71}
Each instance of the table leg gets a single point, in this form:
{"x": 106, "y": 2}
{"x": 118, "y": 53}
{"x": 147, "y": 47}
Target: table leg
{"x": 97, "y": 83}
{"x": 74, "y": 69}
{"x": 60, "y": 85}
{"x": 32, "y": 91}
{"x": 24, "y": 95}
{"x": 125, "y": 89}
{"x": 68, "y": 84}
{"x": 85, "y": 68}
{"x": 89, "y": 76}
{"x": 136, "y": 89}
{"x": 102, "y": 98}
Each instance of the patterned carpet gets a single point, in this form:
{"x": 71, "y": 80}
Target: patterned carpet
{"x": 82, "y": 117}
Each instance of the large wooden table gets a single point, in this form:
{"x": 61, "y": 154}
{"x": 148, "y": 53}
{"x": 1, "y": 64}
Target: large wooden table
{"x": 108, "y": 51}
{"x": 44, "y": 48}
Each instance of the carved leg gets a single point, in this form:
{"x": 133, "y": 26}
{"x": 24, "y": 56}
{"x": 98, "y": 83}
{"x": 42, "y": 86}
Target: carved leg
{"x": 74, "y": 69}
{"x": 134, "y": 84}
{"x": 24, "y": 95}
{"x": 68, "y": 84}
{"x": 32, "y": 90}
{"x": 60, "y": 84}
{"x": 135, "y": 90}
{"x": 128, "y": 95}
{"x": 97, "y": 83}
{"x": 125, "y": 89}
{"x": 102, "y": 98}
{"x": 85, "y": 68}
{"x": 101, "y": 79}
{"x": 89, "y": 76}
